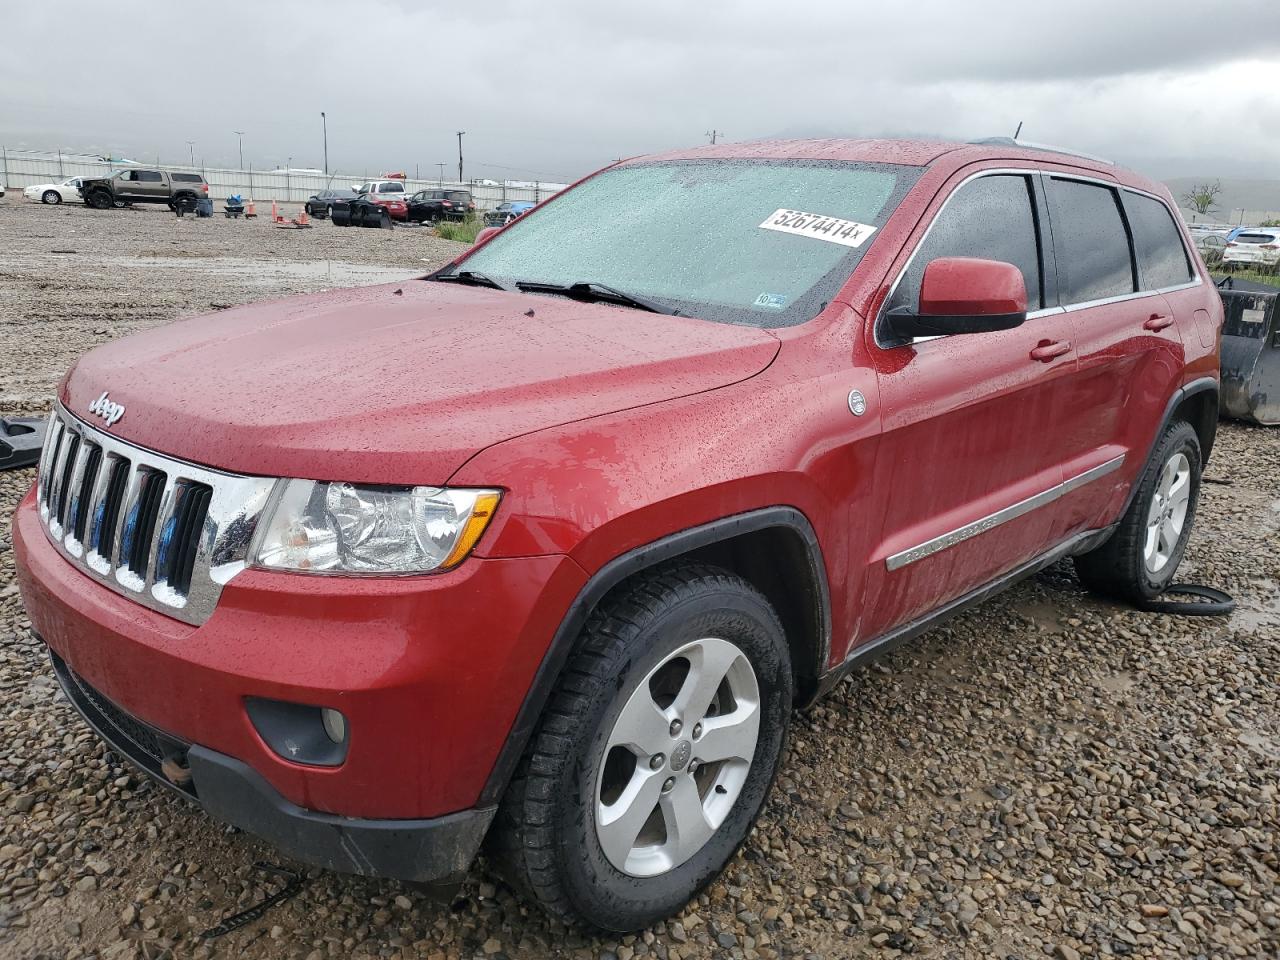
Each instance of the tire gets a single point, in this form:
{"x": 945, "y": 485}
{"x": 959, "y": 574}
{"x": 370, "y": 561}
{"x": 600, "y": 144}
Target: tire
{"x": 643, "y": 648}
{"x": 51, "y": 196}
{"x": 1139, "y": 560}
{"x": 328, "y": 211}
{"x": 100, "y": 200}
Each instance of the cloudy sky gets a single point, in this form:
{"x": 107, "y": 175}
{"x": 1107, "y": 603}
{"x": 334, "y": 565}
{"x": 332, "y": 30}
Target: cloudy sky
{"x": 554, "y": 89}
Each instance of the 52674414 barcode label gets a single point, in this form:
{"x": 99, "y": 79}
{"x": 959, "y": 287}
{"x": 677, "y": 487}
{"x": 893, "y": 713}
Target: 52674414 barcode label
{"x": 850, "y": 233}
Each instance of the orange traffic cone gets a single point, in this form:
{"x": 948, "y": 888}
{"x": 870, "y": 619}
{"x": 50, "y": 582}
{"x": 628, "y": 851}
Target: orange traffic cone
{"x": 250, "y": 210}
{"x": 302, "y": 218}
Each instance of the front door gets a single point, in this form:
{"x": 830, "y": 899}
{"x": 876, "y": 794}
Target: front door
{"x": 969, "y": 463}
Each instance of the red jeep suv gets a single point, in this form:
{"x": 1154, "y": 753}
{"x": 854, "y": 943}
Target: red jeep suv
{"x": 541, "y": 550}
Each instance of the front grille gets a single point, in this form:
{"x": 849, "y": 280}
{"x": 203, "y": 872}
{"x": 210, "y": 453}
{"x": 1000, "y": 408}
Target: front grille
{"x": 166, "y": 533}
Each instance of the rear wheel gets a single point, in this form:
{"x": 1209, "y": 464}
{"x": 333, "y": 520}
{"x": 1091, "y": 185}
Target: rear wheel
{"x": 1140, "y": 559}
{"x": 51, "y": 196}
{"x": 655, "y": 753}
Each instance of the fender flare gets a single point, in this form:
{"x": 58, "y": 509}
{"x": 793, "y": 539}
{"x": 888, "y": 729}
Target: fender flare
{"x": 619, "y": 569}
{"x": 1191, "y": 389}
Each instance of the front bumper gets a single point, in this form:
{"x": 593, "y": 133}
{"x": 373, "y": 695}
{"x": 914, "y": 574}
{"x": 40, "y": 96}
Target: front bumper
{"x": 429, "y": 672}
{"x": 435, "y": 850}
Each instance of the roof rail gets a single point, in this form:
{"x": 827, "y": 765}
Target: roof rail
{"x": 1029, "y": 145}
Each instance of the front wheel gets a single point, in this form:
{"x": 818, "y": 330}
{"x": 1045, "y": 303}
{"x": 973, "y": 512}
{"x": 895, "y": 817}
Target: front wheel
{"x": 655, "y": 753}
{"x": 51, "y": 196}
{"x": 1140, "y": 559}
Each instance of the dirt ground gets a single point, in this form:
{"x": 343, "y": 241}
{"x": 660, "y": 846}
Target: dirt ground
{"x": 1047, "y": 776}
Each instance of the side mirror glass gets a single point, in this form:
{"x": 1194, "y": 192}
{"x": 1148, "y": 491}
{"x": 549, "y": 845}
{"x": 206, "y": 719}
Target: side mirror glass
{"x": 963, "y": 295}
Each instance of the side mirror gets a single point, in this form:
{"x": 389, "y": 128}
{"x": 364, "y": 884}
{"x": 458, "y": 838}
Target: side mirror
{"x": 486, "y": 233}
{"x": 963, "y": 295}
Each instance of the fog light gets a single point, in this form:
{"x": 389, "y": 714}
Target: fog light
{"x": 335, "y": 724}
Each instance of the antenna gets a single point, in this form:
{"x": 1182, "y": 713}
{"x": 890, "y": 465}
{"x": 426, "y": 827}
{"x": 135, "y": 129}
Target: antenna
{"x": 1018, "y": 131}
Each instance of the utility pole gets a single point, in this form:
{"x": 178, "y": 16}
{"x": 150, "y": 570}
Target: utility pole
{"x": 240, "y": 134}
{"x": 713, "y": 134}
{"x": 191, "y": 146}
{"x": 324, "y": 122}
{"x": 460, "y": 133}
{"x": 441, "y": 166}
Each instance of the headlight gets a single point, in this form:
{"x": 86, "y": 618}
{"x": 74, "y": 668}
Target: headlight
{"x": 316, "y": 527}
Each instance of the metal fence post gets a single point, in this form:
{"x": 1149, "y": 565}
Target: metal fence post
{"x": 4, "y": 156}
{"x": 537, "y": 188}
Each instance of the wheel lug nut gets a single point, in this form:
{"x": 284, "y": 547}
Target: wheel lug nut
{"x": 693, "y": 766}
{"x": 697, "y": 730}
{"x": 676, "y": 727}
{"x": 656, "y": 761}
{"x": 668, "y": 784}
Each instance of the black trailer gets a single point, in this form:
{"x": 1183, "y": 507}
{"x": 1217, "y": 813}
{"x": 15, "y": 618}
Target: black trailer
{"x": 1250, "y": 352}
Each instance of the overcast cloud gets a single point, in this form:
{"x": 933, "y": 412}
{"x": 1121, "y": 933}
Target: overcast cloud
{"x": 555, "y": 89}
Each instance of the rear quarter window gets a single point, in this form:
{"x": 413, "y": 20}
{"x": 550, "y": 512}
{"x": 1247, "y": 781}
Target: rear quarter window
{"x": 1162, "y": 259}
{"x": 188, "y": 177}
{"x": 1090, "y": 241}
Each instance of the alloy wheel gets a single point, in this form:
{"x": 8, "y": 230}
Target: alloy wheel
{"x": 677, "y": 757}
{"x": 1168, "y": 513}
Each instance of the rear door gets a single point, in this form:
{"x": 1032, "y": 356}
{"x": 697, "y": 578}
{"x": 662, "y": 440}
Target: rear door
{"x": 969, "y": 461}
{"x": 1126, "y": 336}
{"x": 150, "y": 185}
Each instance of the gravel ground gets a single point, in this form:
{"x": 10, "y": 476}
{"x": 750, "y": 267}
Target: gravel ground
{"x": 1048, "y": 776}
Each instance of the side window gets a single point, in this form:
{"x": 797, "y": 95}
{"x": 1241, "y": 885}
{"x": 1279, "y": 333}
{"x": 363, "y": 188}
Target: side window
{"x": 149, "y": 176}
{"x": 991, "y": 218}
{"x": 1162, "y": 259}
{"x": 1090, "y": 241}
{"x": 127, "y": 175}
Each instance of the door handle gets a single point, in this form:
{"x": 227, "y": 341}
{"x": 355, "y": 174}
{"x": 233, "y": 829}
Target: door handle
{"x": 1049, "y": 350}
{"x": 1157, "y": 321}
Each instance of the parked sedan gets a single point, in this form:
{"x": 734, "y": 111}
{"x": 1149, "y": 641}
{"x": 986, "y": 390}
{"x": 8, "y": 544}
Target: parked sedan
{"x": 504, "y": 213}
{"x": 321, "y": 204}
{"x": 68, "y": 191}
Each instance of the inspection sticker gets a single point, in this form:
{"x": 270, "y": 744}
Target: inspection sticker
{"x": 850, "y": 233}
{"x": 777, "y": 301}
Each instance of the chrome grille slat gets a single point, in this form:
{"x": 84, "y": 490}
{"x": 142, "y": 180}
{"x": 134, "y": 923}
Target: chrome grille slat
{"x": 92, "y": 488}
{"x": 82, "y": 482}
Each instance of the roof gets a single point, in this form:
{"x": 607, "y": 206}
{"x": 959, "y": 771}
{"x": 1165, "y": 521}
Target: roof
{"x": 914, "y": 153}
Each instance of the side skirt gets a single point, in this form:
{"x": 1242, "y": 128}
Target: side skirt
{"x": 865, "y": 653}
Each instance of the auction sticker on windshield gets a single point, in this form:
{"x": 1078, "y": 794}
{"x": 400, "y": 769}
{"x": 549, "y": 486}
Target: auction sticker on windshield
{"x": 850, "y": 233}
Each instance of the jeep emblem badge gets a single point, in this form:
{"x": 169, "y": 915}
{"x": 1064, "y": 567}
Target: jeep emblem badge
{"x": 108, "y": 410}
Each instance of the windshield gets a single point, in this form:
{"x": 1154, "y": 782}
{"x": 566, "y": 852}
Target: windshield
{"x": 765, "y": 243}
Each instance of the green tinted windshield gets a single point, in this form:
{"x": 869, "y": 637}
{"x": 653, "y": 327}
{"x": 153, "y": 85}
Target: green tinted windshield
{"x": 766, "y": 243}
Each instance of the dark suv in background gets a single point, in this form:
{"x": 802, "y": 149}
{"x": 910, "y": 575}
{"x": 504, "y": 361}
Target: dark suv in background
{"x": 436, "y": 205}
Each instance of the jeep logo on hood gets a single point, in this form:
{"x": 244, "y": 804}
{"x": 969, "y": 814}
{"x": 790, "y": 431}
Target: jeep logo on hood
{"x": 108, "y": 410}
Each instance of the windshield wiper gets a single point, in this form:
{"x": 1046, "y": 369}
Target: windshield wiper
{"x": 470, "y": 277}
{"x": 590, "y": 291}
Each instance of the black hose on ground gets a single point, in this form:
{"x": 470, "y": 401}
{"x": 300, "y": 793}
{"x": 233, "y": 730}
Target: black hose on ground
{"x": 1204, "y": 602}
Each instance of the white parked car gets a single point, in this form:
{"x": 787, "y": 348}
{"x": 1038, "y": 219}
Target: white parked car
{"x": 1, "y": 189}
{"x": 1258, "y": 247}
{"x": 68, "y": 191}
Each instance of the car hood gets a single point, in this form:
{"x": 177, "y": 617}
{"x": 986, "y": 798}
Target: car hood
{"x": 396, "y": 383}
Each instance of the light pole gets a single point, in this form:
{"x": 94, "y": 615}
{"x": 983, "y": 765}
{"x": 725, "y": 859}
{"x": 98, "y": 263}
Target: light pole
{"x": 324, "y": 122}
{"x": 191, "y": 146}
{"x": 460, "y": 133}
{"x": 441, "y": 166}
{"x": 240, "y": 134}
